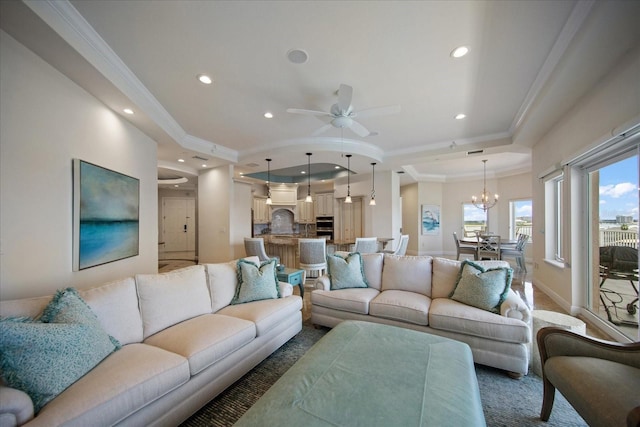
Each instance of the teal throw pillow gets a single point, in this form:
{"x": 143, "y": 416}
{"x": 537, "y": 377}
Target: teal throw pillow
{"x": 256, "y": 282}
{"x": 43, "y": 357}
{"x": 346, "y": 272}
{"x": 482, "y": 288}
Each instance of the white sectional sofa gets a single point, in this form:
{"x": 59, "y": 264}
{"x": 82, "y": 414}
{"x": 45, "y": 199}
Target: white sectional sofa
{"x": 182, "y": 343}
{"x": 413, "y": 292}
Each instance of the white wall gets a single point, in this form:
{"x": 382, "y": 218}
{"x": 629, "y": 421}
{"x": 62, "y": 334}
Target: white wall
{"x": 47, "y": 120}
{"x": 215, "y": 189}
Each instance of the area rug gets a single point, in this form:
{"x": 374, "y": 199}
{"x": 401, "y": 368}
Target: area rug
{"x": 505, "y": 402}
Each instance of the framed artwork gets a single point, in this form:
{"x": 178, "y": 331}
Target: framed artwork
{"x": 106, "y": 215}
{"x": 430, "y": 220}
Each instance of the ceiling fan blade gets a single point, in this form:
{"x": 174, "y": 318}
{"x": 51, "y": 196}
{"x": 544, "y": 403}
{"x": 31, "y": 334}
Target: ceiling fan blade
{"x": 359, "y": 130}
{"x": 307, "y": 112}
{"x": 379, "y": 111}
{"x": 322, "y": 129}
{"x": 344, "y": 97}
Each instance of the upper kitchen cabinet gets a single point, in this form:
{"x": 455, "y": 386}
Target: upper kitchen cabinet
{"x": 284, "y": 195}
{"x": 324, "y": 204}
{"x": 305, "y": 212}
{"x": 261, "y": 211}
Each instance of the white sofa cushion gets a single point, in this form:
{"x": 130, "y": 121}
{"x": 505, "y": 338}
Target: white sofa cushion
{"x": 354, "y": 300}
{"x": 401, "y": 305}
{"x": 372, "y": 266}
{"x": 127, "y": 380}
{"x": 116, "y": 306}
{"x": 449, "y": 315}
{"x": 169, "y": 298}
{"x": 445, "y": 277}
{"x": 407, "y": 273}
{"x": 266, "y": 314}
{"x": 223, "y": 281}
{"x": 205, "y": 339}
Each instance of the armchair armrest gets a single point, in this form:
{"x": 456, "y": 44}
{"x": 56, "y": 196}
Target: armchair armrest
{"x": 515, "y": 308}
{"x": 323, "y": 283}
{"x": 286, "y": 289}
{"x": 554, "y": 341}
{"x": 16, "y": 407}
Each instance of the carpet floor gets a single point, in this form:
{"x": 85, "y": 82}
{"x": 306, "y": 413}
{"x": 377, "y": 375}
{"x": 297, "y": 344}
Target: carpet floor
{"x": 505, "y": 402}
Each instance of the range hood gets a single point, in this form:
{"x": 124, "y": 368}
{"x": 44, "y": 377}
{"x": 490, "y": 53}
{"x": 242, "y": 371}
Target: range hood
{"x": 284, "y": 195}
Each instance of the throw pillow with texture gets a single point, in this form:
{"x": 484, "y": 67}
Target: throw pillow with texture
{"x": 482, "y": 288}
{"x": 346, "y": 272}
{"x": 43, "y": 357}
{"x": 256, "y": 282}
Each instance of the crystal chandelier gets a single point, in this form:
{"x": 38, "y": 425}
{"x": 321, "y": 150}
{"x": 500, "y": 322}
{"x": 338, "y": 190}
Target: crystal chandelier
{"x": 484, "y": 202}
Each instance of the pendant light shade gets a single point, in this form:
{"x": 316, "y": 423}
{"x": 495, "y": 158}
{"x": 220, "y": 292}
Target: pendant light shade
{"x": 372, "y": 202}
{"x": 308, "y": 199}
{"x": 484, "y": 202}
{"x": 269, "y": 201}
{"x": 348, "y": 198}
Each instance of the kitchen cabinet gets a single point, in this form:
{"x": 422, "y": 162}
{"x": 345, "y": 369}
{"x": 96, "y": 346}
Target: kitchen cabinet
{"x": 351, "y": 219}
{"x": 284, "y": 195}
{"x": 324, "y": 204}
{"x": 304, "y": 212}
{"x": 261, "y": 211}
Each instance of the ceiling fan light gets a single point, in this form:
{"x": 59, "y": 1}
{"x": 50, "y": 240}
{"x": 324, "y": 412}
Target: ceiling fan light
{"x": 342, "y": 122}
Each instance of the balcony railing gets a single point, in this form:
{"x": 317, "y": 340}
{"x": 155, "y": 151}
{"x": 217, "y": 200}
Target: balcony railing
{"x": 619, "y": 238}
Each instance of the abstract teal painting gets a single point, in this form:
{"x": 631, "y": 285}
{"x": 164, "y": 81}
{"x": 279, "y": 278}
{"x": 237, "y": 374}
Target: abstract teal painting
{"x": 430, "y": 219}
{"x": 106, "y": 215}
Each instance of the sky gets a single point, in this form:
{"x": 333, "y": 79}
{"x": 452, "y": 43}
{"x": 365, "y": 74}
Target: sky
{"x": 619, "y": 189}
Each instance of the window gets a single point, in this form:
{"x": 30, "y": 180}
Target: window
{"x": 554, "y": 202}
{"x": 474, "y": 219}
{"x": 520, "y": 218}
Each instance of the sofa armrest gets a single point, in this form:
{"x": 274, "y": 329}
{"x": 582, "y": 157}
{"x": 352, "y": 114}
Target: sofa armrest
{"x": 515, "y": 308}
{"x": 16, "y": 407}
{"x": 322, "y": 283}
{"x": 286, "y": 289}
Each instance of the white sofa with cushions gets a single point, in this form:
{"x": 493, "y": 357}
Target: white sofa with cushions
{"x": 179, "y": 341}
{"x": 414, "y": 292}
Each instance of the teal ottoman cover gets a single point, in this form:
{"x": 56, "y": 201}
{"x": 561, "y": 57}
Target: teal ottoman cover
{"x": 367, "y": 374}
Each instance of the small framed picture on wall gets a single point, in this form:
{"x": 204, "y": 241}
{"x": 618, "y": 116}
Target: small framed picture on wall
{"x": 430, "y": 220}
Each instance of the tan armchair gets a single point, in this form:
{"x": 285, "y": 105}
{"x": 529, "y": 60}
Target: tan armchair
{"x": 600, "y": 379}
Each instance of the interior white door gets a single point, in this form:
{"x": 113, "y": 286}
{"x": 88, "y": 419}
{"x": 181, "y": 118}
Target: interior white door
{"x": 178, "y": 216}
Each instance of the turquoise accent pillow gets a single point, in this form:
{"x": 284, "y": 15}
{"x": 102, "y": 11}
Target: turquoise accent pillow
{"x": 482, "y": 288}
{"x": 346, "y": 272}
{"x": 256, "y": 282}
{"x": 43, "y": 357}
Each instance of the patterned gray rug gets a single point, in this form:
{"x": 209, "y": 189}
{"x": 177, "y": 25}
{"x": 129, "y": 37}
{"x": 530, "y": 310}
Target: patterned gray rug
{"x": 506, "y": 402}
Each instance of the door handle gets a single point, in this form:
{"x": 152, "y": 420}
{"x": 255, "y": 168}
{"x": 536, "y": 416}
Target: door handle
{"x": 185, "y": 228}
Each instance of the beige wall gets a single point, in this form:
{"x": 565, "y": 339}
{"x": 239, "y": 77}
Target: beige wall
{"x": 608, "y": 105}
{"x": 47, "y": 120}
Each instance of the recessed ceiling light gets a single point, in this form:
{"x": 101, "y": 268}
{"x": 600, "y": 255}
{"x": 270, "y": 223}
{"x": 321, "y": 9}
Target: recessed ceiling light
{"x": 176, "y": 185}
{"x": 204, "y": 165}
{"x": 303, "y": 172}
{"x": 181, "y": 160}
{"x": 268, "y": 115}
{"x": 460, "y": 116}
{"x": 128, "y": 110}
{"x": 205, "y": 79}
{"x": 297, "y": 56}
{"x": 336, "y": 167}
{"x": 459, "y": 52}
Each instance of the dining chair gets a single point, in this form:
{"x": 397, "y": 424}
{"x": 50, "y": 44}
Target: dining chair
{"x": 366, "y": 245}
{"x": 313, "y": 256}
{"x": 465, "y": 249}
{"x": 401, "y": 249}
{"x": 488, "y": 246}
{"x": 517, "y": 252}
{"x": 254, "y": 246}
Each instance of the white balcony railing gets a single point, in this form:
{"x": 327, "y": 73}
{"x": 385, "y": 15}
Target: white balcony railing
{"x": 619, "y": 238}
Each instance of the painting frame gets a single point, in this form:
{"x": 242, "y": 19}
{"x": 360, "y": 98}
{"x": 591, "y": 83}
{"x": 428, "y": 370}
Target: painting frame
{"x": 430, "y": 220}
{"x": 106, "y": 215}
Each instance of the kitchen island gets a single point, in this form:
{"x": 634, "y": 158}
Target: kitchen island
{"x": 286, "y": 247}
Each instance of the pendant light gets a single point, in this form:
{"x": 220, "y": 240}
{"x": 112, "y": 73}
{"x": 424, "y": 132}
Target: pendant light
{"x": 308, "y": 199}
{"x": 268, "y": 181}
{"x": 484, "y": 203}
{"x": 348, "y": 198}
{"x": 372, "y": 202}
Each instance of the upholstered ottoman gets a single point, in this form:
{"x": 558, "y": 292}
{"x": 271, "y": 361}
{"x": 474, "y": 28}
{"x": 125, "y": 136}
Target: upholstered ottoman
{"x": 369, "y": 374}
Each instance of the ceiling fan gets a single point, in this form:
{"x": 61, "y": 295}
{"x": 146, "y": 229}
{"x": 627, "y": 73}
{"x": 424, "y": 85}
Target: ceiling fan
{"x": 342, "y": 113}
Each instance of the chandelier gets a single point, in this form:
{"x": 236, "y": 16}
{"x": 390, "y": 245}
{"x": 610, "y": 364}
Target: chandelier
{"x": 484, "y": 202}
